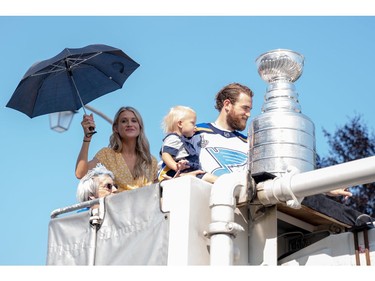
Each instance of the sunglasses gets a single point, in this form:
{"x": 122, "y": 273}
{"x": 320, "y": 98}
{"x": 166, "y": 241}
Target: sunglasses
{"x": 109, "y": 186}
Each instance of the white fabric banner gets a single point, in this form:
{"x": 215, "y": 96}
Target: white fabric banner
{"x": 134, "y": 231}
{"x": 71, "y": 240}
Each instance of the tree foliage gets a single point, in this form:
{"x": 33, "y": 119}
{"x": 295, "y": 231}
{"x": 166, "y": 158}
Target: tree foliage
{"x": 350, "y": 142}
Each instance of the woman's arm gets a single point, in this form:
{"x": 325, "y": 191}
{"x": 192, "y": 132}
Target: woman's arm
{"x": 82, "y": 164}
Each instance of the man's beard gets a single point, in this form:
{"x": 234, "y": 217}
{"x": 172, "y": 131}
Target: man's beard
{"x": 236, "y": 122}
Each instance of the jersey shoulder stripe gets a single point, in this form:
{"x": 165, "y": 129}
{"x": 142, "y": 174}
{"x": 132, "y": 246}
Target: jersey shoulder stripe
{"x": 204, "y": 127}
{"x": 241, "y": 136}
{"x": 210, "y": 129}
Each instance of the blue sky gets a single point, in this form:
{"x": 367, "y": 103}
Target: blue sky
{"x": 184, "y": 60}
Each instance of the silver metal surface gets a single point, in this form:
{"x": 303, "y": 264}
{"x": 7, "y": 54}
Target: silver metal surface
{"x": 280, "y": 64}
{"x": 281, "y": 135}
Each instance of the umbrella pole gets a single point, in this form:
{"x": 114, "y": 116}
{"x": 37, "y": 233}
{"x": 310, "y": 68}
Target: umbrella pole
{"x": 75, "y": 86}
{"x": 92, "y": 129}
{"x": 79, "y": 96}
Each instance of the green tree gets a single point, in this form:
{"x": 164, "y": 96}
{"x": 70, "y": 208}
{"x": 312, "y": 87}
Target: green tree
{"x": 350, "y": 142}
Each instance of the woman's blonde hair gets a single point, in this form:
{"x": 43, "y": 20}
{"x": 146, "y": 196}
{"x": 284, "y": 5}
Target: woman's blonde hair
{"x": 143, "y": 164}
{"x": 174, "y": 115}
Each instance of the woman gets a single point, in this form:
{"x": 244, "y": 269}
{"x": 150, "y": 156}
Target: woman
{"x": 128, "y": 154}
{"x": 97, "y": 183}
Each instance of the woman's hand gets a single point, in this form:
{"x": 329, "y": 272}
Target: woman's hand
{"x": 88, "y": 125}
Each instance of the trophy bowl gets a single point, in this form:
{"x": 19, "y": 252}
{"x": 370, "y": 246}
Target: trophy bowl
{"x": 280, "y": 65}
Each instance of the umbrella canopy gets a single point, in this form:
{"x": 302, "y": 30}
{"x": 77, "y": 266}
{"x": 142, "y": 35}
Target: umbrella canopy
{"x": 71, "y": 79}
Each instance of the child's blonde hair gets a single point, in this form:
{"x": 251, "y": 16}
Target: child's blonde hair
{"x": 175, "y": 114}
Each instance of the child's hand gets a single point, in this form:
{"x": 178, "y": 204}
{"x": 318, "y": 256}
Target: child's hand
{"x": 182, "y": 165}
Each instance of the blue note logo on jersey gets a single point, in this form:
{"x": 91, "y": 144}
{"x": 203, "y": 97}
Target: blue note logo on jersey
{"x": 229, "y": 160}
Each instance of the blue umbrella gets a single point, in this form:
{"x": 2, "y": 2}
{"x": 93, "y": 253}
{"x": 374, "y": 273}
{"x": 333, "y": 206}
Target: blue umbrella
{"x": 71, "y": 79}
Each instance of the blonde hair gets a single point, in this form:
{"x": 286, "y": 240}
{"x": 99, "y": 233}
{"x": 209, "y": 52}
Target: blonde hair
{"x": 143, "y": 162}
{"x": 174, "y": 115}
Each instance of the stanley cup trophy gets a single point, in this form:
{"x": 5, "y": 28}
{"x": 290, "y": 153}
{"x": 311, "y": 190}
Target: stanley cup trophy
{"x": 281, "y": 136}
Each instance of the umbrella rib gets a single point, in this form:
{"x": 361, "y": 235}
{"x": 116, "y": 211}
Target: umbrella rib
{"x": 74, "y": 64}
{"x": 50, "y": 71}
{"x": 63, "y": 68}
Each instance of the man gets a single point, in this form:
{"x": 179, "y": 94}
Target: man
{"x": 222, "y": 148}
